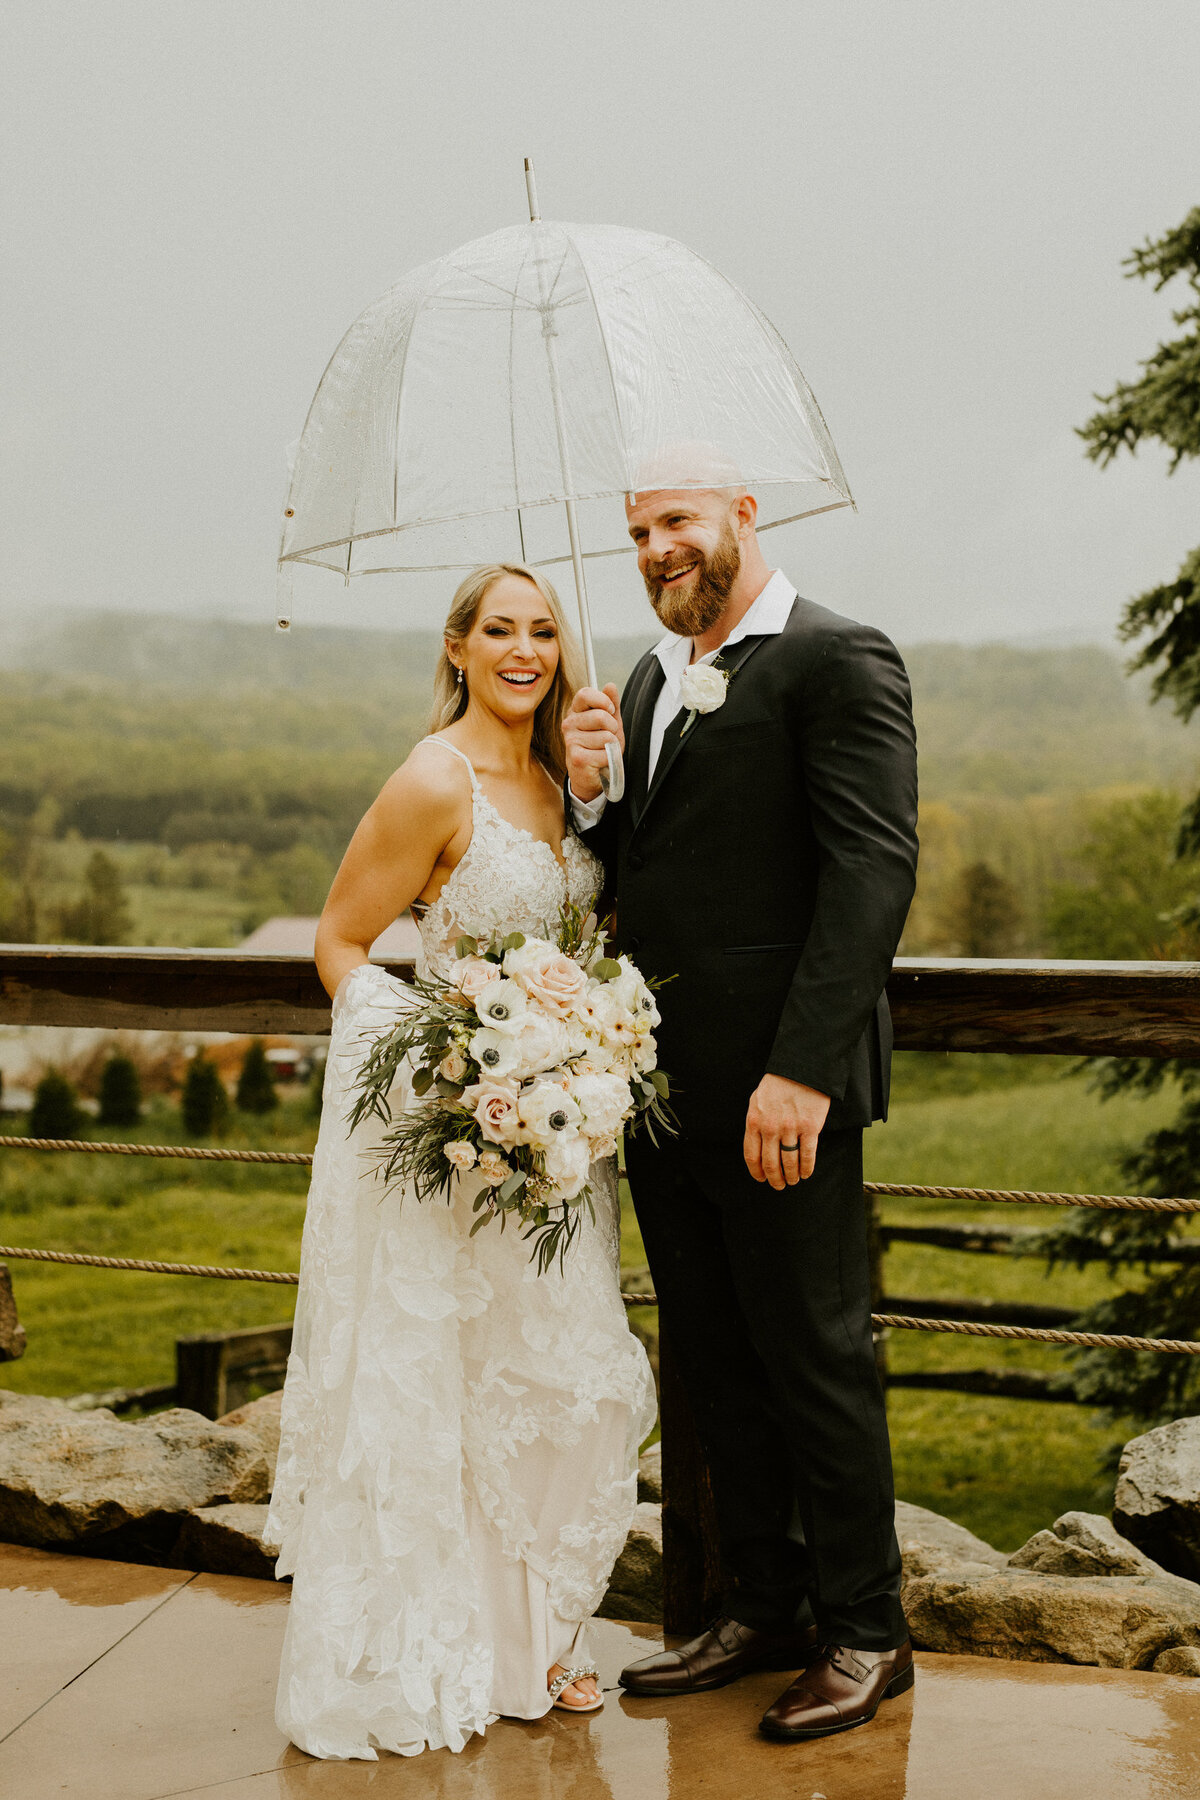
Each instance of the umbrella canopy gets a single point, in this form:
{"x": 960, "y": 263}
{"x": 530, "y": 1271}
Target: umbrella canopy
{"x": 544, "y": 364}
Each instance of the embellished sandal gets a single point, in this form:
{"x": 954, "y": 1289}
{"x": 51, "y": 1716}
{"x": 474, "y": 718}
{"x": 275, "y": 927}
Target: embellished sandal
{"x": 565, "y": 1679}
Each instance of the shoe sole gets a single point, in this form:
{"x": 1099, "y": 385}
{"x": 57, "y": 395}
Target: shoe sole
{"x": 775, "y": 1665}
{"x": 790, "y": 1734}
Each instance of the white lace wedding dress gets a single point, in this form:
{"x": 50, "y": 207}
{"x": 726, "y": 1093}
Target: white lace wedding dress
{"x": 458, "y": 1465}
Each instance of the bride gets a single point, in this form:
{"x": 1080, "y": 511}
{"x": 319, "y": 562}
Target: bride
{"x": 458, "y": 1465}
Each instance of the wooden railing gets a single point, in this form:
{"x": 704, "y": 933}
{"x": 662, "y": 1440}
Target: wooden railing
{"x": 1035, "y": 1008}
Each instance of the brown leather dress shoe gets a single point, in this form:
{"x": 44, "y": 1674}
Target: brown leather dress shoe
{"x": 840, "y": 1689}
{"x": 718, "y": 1656}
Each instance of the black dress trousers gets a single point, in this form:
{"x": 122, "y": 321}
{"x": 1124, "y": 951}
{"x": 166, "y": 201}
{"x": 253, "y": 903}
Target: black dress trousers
{"x": 765, "y": 1298}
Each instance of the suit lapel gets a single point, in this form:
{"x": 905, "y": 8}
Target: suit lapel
{"x": 672, "y": 746}
{"x": 638, "y": 738}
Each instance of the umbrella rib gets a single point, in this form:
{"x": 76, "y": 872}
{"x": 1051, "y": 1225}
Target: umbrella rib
{"x": 612, "y": 380}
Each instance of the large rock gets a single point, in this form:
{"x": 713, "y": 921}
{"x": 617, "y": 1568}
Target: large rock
{"x": 88, "y": 1481}
{"x": 225, "y": 1540}
{"x": 636, "y": 1589}
{"x": 929, "y": 1543}
{"x": 650, "y": 1475}
{"x": 1116, "y": 1621}
{"x": 1082, "y": 1544}
{"x": 1157, "y": 1502}
{"x": 261, "y": 1417}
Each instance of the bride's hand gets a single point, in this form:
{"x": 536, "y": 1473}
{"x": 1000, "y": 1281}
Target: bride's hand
{"x": 593, "y": 722}
{"x": 782, "y": 1127}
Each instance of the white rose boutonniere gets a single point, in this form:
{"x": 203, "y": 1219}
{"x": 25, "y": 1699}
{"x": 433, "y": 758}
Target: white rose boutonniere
{"x": 703, "y": 689}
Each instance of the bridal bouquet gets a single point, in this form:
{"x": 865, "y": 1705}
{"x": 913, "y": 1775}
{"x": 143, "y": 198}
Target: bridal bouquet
{"x": 526, "y": 1067}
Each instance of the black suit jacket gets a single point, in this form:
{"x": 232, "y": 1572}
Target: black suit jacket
{"x": 769, "y": 868}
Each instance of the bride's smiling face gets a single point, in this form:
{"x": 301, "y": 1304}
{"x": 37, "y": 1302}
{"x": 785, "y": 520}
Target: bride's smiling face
{"x": 509, "y": 657}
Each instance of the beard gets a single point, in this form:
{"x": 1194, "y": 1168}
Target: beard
{"x": 689, "y": 612}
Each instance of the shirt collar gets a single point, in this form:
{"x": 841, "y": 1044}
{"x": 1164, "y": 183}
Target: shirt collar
{"x": 766, "y": 616}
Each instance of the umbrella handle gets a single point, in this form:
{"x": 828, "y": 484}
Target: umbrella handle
{"x": 614, "y": 785}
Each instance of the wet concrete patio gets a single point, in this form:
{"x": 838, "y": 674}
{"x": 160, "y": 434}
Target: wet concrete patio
{"x": 126, "y": 1683}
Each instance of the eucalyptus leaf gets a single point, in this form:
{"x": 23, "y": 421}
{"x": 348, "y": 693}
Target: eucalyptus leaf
{"x": 466, "y": 946}
{"x": 514, "y": 941}
{"x": 422, "y": 1081}
{"x": 607, "y": 969}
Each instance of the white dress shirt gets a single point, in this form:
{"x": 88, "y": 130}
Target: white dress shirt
{"x": 766, "y": 616}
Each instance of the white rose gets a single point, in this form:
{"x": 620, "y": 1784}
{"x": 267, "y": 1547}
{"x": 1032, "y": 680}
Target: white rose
{"x": 493, "y": 1167}
{"x": 496, "y": 1052}
{"x": 541, "y": 1043}
{"x": 501, "y": 1004}
{"x": 568, "y": 1161}
{"x": 703, "y": 688}
{"x": 547, "y": 1112}
{"x": 461, "y": 1155}
{"x": 453, "y": 1066}
{"x": 605, "y": 1100}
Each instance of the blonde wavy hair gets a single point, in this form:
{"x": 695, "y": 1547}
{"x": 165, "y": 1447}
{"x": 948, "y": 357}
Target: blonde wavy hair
{"x": 450, "y": 696}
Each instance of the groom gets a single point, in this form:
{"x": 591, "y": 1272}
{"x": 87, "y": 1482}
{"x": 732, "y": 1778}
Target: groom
{"x": 764, "y": 856}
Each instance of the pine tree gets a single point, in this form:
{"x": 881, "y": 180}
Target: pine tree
{"x": 204, "y": 1102}
{"x": 102, "y": 914}
{"x": 1163, "y": 406}
{"x": 256, "y": 1085}
{"x": 984, "y": 914}
{"x": 120, "y": 1092}
{"x": 54, "y": 1113}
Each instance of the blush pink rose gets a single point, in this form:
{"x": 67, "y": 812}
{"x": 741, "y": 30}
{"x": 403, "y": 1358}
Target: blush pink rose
{"x": 493, "y": 1101}
{"x": 548, "y": 976}
{"x": 472, "y": 975}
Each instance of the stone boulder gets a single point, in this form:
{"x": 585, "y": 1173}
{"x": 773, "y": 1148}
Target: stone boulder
{"x": 636, "y": 1589}
{"x": 1115, "y": 1621}
{"x": 650, "y": 1475}
{"x": 90, "y": 1482}
{"x": 1078, "y": 1593}
{"x": 929, "y": 1543}
{"x": 1157, "y": 1502}
{"x": 261, "y": 1418}
{"x": 1082, "y": 1544}
{"x": 225, "y": 1540}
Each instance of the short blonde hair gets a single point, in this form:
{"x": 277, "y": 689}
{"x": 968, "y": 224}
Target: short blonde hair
{"x": 450, "y": 696}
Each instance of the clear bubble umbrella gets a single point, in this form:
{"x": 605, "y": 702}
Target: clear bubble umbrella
{"x": 498, "y": 404}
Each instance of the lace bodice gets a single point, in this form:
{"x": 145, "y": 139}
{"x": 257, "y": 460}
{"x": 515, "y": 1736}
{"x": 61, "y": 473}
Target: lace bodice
{"x": 507, "y": 880}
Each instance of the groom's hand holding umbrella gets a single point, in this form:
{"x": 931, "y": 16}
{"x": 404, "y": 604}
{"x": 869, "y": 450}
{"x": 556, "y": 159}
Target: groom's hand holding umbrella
{"x": 593, "y": 722}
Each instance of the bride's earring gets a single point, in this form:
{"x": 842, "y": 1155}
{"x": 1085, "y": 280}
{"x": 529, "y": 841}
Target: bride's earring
{"x": 458, "y": 677}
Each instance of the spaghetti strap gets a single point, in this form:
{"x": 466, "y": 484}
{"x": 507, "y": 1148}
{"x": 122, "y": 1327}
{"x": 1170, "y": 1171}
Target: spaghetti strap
{"x": 454, "y": 751}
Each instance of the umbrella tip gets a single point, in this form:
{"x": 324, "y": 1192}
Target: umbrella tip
{"x": 531, "y": 192}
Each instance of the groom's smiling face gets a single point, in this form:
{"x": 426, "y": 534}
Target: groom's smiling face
{"x": 688, "y": 553}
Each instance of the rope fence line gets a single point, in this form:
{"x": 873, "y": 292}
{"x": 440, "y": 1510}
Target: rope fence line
{"x": 190, "y": 1152}
{"x": 956, "y": 1327}
{"x": 887, "y": 1190}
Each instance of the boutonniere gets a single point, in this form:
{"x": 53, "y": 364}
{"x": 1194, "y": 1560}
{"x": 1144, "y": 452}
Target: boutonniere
{"x": 702, "y": 689}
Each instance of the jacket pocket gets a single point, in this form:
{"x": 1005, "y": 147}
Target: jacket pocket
{"x": 759, "y": 949}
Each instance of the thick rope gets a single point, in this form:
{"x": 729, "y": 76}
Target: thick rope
{"x": 283, "y": 1277}
{"x": 191, "y": 1152}
{"x": 885, "y": 1189}
{"x": 1113, "y": 1202}
{"x": 957, "y": 1327}
{"x": 1090, "y": 1340}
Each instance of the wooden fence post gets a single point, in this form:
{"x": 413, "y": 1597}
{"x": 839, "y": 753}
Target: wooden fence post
{"x": 693, "y": 1580}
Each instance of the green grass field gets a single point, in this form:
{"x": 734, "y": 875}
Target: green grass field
{"x": 1003, "y": 1467}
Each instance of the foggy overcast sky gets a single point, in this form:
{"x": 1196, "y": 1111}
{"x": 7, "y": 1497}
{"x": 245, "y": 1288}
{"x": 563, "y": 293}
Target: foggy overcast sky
{"x": 930, "y": 198}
